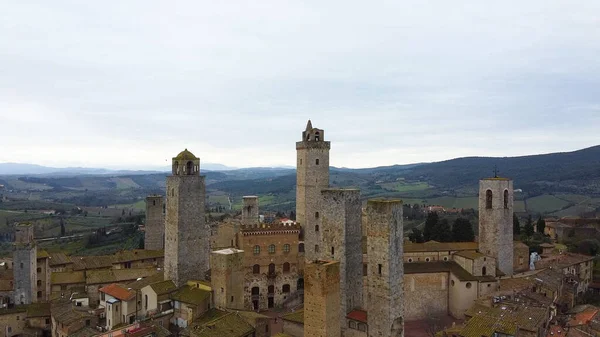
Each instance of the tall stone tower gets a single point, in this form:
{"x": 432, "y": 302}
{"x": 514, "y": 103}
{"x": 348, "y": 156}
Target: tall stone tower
{"x": 187, "y": 237}
{"x": 385, "y": 269}
{"x": 25, "y": 265}
{"x": 250, "y": 210}
{"x": 342, "y": 241}
{"x": 312, "y": 176}
{"x": 227, "y": 273}
{"x": 495, "y": 221}
{"x": 322, "y": 299}
{"x": 154, "y": 235}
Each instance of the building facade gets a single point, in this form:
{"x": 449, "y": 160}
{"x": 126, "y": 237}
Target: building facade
{"x": 154, "y": 229}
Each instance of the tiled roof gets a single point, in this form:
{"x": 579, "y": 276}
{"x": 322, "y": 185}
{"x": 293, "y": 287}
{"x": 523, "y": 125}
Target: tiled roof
{"x": 42, "y": 254}
{"x": 68, "y": 277}
{"x": 584, "y": 317}
{"x": 139, "y": 284}
{"x": 358, "y": 315}
{"x": 190, "y": 295}
{"x": 92, "y": 262}
{"x": 84, "y": 332}
{"x": 469, "y": 254}
{"x": 101, "y": 276}
{"x": 230, "y": 325}
{"x": 14, "y": 310}
{"x": 504, "y": 319}
{"x": 444, "y": 266}
{"x": 59, "y": 258}
{"x": 297, "y": 316}
{"x": 163, "y": 287}
{"x": 434, "y": 246}
{"x": 562, "y": 260}
{"x": 66, "y": 314}
{"x": 137, "y": 254}
{"x": 38, "y": 310}
{"x": 119, "y": 292}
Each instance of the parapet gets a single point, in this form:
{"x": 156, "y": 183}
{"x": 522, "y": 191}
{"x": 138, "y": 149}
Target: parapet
{"x": 383, "y": 205}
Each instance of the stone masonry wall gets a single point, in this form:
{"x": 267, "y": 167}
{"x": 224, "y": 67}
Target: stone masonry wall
{"x": 25, "y": 274}
{"x": 341, "y": 228}
{"x": 322, "y": 299}
{"x": 155, "y": 223}
{"x": 495, "y": 224}
{"x": 250, "y": 210}
{"x": 426, "y": 294}
{"x": 227, "y": 271}
{"x": 385, "y": 270}
{"x": 187, "y": 236}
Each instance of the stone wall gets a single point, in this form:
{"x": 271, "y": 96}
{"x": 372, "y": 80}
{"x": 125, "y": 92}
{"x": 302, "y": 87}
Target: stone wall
{"x": 250, "y": 210}
{"x": 385, "y": 270}
{"x": 227, "y": 270}
{"x": 520, "y": 258}
{"x": 426, "y": 294}
{"x": 293, "y": 329}
{"x": 43, "y": 278}
{"x": 25, "y": 273}
{"x": 341, "y": 228}
{"x": 495, "y": 223}
{"x": 13, "y": 324}
{"x": 322, "y": 299}
{"x": 155, "y": 223}
{"x": 187, "y": 236}
{"x": 461, "y": 297}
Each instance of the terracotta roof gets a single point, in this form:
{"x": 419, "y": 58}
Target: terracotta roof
{"x": 358, "y": 315}
{"x": 38, "y": 310}
{"x": 230, "y": 325}
{"x": 100, "y": 276}
{"x": 59, "y": 258}
{"x": 118, "y": 292}
{"x": 434, "y": 246}
{"x": 471, "y": 255}
{"x": 297, "y": 316}
{"x": 190, "y": 295}
{"x": 163, "y": 287}
{"x": 503, "y": 319}
{"x": 68, "y": 277}
{"x": 562, "y": 260}
{"x": 137, "y": 254}
{"x": 86, "y": 331}
{"x": 92, "y": 262}
{"x": 584, "y": 317}
{"x": 139, "y": 284}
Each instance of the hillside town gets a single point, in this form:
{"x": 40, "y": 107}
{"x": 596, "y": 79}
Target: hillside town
{"x": 343, "y": 267}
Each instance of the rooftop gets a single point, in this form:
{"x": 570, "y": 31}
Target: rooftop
{"x": 118, "y": 291}
{"x": 358, "y": 315}
{"x": 144, "y": 281}
{"x": 100, "y": 276}
{"x": 471, "y": 255}
{"x": 68, "y": 277}
{"x": 562, "y": 260}
{"x": 138, "y": 254}
{"x": 434, "y": 246}
{"x": 190, "y": 295}
{"x": 503, "y": 319}
{"x": 228, "y": 251}
{"x": 230, "y": 325}
{"x": 38, "y": 310}
{"x": 59, "y": 258}
{"x": 185, "y": 155}
{"x": 444, "y": 266}
{"x": 163, "y": 287}
{"x": 297, "y": 316}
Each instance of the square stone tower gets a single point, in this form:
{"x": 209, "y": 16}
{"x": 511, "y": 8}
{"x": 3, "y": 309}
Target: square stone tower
{"x": 250, "y": 211}
{"x": 322, "y": 299}
{"x": 385, "y": 269}
{"x": 187, "y": 236}
{"x": 154, "y": 235}
{"x": 312, "y": 176}
{"x": 25, "y": 265}
{"x": 341, "y": 241}
{"x": 495, "y": 221}
{"x": 227, "y": 275}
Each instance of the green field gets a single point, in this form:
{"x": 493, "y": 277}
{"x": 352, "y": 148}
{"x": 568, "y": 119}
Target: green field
{"x": 545, "y": 204}
{"x": 402, "y": 186}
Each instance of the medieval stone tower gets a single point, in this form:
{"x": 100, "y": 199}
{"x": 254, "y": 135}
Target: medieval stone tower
{"x": 154, "y": 235}
{"x": 341, "y": 241}
{"x": 312, "y": 176}
{"x": 495, "y": 221}
{"x": 250, "y": 210}
{"x": 187, "y": 237}
{"x": 227, "y": 271}
{"x": 25, "y": 265}
{"x": 322, "y": 299}
{"x": 385, "y": 269}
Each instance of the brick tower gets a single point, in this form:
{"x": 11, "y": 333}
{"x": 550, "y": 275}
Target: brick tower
{"x": 341, "y": 227}
{"x": 322, "y": 299}
{"x": 385, "y": 269}
{"x": 154, "y": 235}
{"x": 250, "y": 210}
{"x": 312, "y": 176}
{"x": 25, "y": 265}
{"x": 187, "y": 237}
{"x": 495, "y": 221}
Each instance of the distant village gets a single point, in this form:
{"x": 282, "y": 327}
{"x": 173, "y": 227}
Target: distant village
{"x": 341, "y": 266}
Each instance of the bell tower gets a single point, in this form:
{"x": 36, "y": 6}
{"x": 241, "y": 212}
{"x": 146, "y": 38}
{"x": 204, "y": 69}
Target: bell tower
{"x": 187, "y": 237}
{"x": 312, "y": 176}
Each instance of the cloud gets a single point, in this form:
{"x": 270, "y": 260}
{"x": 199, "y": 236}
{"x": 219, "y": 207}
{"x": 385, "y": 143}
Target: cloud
{"x": 130, "y": 84}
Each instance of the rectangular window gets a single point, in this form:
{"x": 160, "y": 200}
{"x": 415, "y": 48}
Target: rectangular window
{"x": 332, "y": 251}
{"x": 316, "y": 248}
{"x": 379, "y": 267}
{"x": 364, "y": 269}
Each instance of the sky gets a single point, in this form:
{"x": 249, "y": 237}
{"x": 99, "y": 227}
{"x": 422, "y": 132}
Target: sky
{"x": 129, "y": 84}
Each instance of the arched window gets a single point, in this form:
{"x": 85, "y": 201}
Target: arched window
{"x": 317, "y": 136}
{"x": 488, "y": 199}
{"x": 271, "y": 289}
{"x": 256, "y": 269}
{"x": 176, "y": 167}
{"x": 286, "y": 267}
{"x": 172, "y": 192}
{"x": 285, "y": 288}
{"x": 317, "y": 162}
{"x": 301, "y": 248}
{"x": 271, "y": 249}
{"x": 316, "y": 215}
{"x": 286, "y": 248}
{"x": 316, "y": 228}
{"x": 153, "y": 202}
{"x": 189, "y": 168}
{"x": 316, "y": 248}
{"x": 146, "y": 302}
{"x": 255, "y": 291}
{"x": 505, "y": 198}
{"x": 256, "y": 250}
{"x": 483, "y": 271}
{"x": 300, "y": 284}
{"x": 272, "y": 268}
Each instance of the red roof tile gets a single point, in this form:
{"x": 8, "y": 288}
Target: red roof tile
{"x": 583, "y": 317}
{"x": 358, "y": 315}
{"x": 118, "y": 292}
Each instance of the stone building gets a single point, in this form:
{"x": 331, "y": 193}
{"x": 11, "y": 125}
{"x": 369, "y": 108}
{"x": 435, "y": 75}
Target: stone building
{"x": 312, "y": 176}
{"x": 154, "y": 228}
{"x": 250, "y": 210}
{"x": 227, "y": 269}
{"x": 43, "y": 276}
{"x": 385, "y": 269}
{"x": 322, "y": 305}
{"x": 25, "y": 265}
{"x": 273, "y": 266}
{"x": 495, "y": 221}
{"x": 187, "y": 237}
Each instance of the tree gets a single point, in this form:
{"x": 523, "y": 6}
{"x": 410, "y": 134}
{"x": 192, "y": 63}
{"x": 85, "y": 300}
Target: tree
{"x": 416, "y": 236}
{"x": 529, "y": 227}
{"x": 443, "y": 231}
{"x": 462, "y": 230}
{"x": 516, "y": 225}
{"x": 430, "y": 224}
{"x": 62, "y": 227}
{"x": 541, "y": 225}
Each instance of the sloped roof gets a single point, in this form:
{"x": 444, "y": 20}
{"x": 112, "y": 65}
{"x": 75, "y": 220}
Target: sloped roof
{"x": 119, "y": 292}
{"x": 584, "y": 317}
{"x": 38, "y": 310}
{"x": 41, "y": 254}
{"x": 59, "y": 258}
{"x": 503, "y": 319}
{"x": 92, "y": 262}
{"x": 297, "y": 316}
{"x": 100, "y": 276}
{"x": 137, "y": 254}
{"x": 163, "y": 287}
{"x": 358, "y": 315}
{"x": 68, "y": 277}
{"x": 190, "y": 295}
{"x": 444, "y": 266}
{"x": 230, "y": 325}
{"x": 434, "y": 246}
{"x": 185, "y": 155}
{"x": 469, "y": 254}
{"x": 139, "y": 284}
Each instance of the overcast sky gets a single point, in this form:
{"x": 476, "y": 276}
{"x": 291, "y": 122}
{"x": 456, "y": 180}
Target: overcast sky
{"x": 129, "y": 84}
